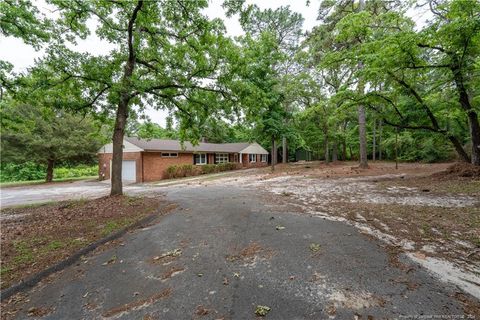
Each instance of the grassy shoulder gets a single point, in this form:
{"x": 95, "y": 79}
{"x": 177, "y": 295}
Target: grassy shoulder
{"x": 35, "y": 182}
{"x": 38, "y": 236}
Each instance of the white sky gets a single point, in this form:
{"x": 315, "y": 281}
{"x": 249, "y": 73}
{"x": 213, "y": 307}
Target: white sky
{"x": 22, "y": 56}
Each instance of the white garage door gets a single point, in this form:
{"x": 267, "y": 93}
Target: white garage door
{"x": 128, "y": 170}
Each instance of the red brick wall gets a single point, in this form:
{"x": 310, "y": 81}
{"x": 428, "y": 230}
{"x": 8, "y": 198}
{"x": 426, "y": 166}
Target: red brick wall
{"x": 154, "y": 165}
{"x": 104, "y": 158}
{"x": 259, "y": 163}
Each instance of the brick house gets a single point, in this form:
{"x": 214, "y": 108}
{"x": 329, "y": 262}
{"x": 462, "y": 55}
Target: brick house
{"x": 147, "y": 160}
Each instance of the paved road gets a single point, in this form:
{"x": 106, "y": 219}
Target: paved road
{"x": 22, "y": 195}
{"x": 215, "y": 278}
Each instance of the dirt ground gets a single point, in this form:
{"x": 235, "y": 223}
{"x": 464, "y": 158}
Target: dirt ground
{"x": 38, "y": 236}
{"x": 431, "y": 212}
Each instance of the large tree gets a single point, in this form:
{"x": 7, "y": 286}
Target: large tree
{"x": 45, "y": 135}
{"x": 280, "y": 31}
{"x": 166, "y": 54}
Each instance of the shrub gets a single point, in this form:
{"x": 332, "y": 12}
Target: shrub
{"x": 75, "y": 172}
{"x": 22, "y": 172}
{"x": 171, "y": 171}
{"x": 31, "y": 171}
{"x": 187, "y": 170}
{"x": 209, "y": 168}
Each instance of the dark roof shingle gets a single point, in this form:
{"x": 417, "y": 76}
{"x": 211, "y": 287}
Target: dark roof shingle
{"x": 175, "y": 145}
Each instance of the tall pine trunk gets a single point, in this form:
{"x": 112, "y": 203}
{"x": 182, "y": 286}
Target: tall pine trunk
{"x": 335, "y": 151}
{"x": 326, "y": 149}
{"x": 380, "y": 124}
{"x": 284, "y": 150}
{"x": 50, "y": 166}
{"x": 273, "y": 153}
{"x": 362, "y": 135}
{"x": 362, "y": 130}
{"x": 374, "y": 142}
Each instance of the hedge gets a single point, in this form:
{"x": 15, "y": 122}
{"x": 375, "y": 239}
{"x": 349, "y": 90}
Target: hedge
{"x": 187, "y": 170}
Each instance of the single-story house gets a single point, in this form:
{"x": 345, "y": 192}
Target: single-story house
{"x": 147, "y": 160}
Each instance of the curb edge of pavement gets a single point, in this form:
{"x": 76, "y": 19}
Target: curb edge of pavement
{"x": 31, "y": 281}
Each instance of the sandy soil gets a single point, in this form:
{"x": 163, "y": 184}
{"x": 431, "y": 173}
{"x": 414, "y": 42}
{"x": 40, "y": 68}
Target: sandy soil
{"x": 432, "y": 217}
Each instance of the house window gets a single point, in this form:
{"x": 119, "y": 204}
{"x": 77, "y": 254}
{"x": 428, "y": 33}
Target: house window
{"x": 264, "y": 158}
{"x": 200, "y": 158}
{"x": 169, "y": 154}
{"x": 252, "y": 157}
{"x": 221, "y": 157}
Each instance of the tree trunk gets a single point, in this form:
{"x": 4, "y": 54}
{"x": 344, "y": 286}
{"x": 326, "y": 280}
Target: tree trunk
{"x": 50, "y": 165}
{"x": 335, "y": 151}
{"x": 117, "y": 155}
{"x": 362, "y": 135}
{"x": 362, "y": 131}
{"x": 396, "y": 148}
{"x": 122, "y": 109}
{"x": 436, "y": 127}
{"x": 284, "y": 150}
{"x": 380, "y": 124}
{"x": 273, "y": 153}
{"x": 475, "y": 136}
{"x": 459, "y": 148}
{"x": 374, "y": 140}
{"x": 325, "y": 144}
{"x": 472, "y": 116}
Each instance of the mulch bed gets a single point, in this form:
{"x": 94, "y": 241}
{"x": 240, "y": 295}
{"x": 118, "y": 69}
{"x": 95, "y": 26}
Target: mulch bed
{"x": 36, "y": 237}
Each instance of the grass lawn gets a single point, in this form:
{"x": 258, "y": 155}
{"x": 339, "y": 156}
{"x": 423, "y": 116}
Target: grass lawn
{"x": 33, "y": 182}
{"x": 35, "y": 237}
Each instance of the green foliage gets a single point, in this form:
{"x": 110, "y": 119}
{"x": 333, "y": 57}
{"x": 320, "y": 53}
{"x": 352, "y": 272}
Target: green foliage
{"x": 23, "y": 20}
{"x": 74, "y": 172}
{"x": 22, "y": 172}
{"x": 150, "y": 130}
{"x": 187, "y": 170}
{"x": 38, "y": 134}
{"x": 29, "y": 171}
{"x": 182, "y": 170}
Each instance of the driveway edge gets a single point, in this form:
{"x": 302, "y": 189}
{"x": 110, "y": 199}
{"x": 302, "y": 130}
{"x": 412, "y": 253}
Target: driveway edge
{"x": 31, "y": 281}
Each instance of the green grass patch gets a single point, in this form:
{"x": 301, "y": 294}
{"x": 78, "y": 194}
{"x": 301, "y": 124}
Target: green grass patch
{"x": 113, "y": 226}
{"x": 24, "y": 252}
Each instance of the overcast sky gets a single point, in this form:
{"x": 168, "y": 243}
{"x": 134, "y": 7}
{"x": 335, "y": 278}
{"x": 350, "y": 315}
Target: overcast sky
{"x": 22, "y": 56}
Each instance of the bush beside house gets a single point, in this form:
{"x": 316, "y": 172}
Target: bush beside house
{"x": 187, "y": 170}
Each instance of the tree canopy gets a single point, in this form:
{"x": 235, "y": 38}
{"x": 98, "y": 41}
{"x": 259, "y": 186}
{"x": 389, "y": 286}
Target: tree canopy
{"x": 365, "y": 74}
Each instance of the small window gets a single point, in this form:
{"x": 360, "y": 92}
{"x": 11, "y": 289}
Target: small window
{"x": 169, "y": 154}
{"x": 252, "y": 157}
{"x": 264, "y": 158}
{"x": 200, "y": 158}
{"x": 221, "y": 157}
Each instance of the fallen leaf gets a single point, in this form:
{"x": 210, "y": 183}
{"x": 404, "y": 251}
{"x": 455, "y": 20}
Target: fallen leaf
{"x": 315, "y": 247}
{"x": 110, "y": 261}
{"x": 420, "y": 255}
{"x": 262, "y": 310}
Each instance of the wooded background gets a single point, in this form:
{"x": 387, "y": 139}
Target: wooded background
{"x": 365, "y": 83}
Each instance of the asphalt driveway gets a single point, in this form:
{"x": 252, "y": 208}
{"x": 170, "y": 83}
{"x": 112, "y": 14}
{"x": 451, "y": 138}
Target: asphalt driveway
{"x": 24, "y": 195}
{"x": 226, "y": 250}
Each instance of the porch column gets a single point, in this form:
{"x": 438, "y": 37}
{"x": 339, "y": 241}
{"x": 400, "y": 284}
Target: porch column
{"x": 240, "y": 157}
